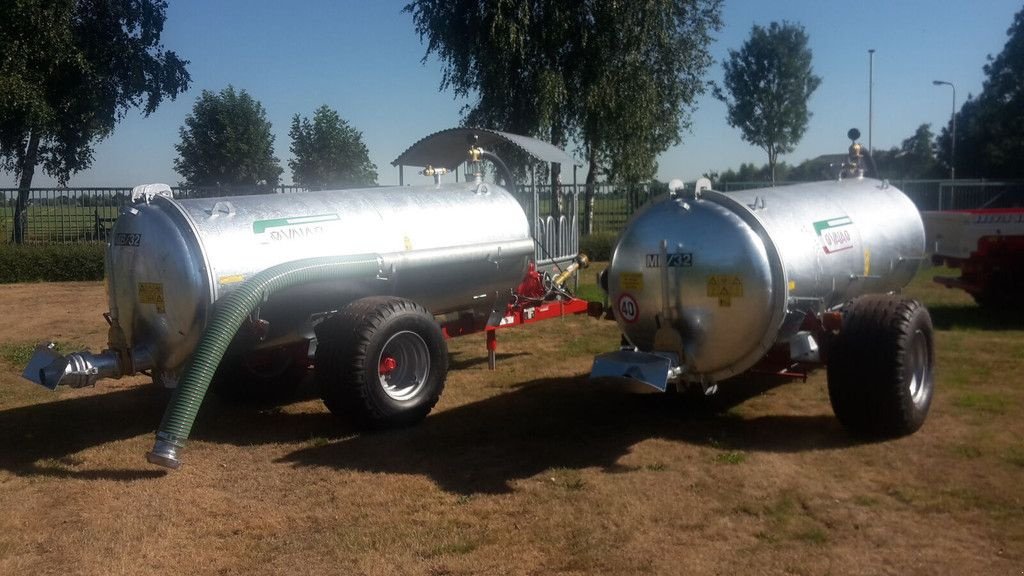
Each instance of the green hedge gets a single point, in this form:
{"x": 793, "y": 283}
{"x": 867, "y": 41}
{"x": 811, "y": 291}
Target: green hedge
{"x": 599, "y": 245}
{"x": 51, "y": 262}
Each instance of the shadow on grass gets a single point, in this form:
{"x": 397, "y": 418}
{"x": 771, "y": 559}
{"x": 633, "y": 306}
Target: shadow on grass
{"x": 38, "y": 439}
{"x": 475, "y": 448}
{"x": 566, "y": 423}
{"x": 950, "y": 317}
{"x": 454, "y": 363}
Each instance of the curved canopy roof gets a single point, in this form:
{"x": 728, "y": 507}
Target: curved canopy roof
{"x": 447, "y": 148}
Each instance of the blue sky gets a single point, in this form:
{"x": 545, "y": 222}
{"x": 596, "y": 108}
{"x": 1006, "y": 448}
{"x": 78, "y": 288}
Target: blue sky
{"x": 363, "y": 58}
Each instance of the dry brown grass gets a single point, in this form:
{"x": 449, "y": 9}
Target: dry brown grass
{"x": 531, "y": 469}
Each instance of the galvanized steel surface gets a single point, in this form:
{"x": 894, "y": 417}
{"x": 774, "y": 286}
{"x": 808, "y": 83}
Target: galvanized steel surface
{"x": 170, "y": 260}
{"x": 735, "y": 273}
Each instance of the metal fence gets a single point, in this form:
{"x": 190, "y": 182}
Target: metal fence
{"x": 62, "y": 215}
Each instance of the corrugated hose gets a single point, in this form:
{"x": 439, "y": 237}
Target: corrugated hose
{"x": 231, "y": 311}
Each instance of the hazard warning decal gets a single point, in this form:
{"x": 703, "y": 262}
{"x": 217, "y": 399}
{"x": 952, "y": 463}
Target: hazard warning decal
{"x": 725, "y": 287}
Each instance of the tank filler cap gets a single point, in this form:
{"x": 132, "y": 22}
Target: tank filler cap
{"x": 676, "y": 188}
{"x": 147, "y": 192}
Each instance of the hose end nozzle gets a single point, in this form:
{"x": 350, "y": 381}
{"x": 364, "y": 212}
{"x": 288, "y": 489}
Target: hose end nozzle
{"x": 164, "y": 454}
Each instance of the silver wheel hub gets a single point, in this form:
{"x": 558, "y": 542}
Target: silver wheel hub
{"x": 403, "y": 365}
{"x": 920, "y": 373}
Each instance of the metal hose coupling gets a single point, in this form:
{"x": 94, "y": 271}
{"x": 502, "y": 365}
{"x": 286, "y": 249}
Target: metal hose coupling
{"x": 48, "y": 368}
{"x": 165, "y": 453}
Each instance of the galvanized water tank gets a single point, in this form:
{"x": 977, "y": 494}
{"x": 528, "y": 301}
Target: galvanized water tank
{"x": 736, "y": 272}
{"x": 456, "y": 248}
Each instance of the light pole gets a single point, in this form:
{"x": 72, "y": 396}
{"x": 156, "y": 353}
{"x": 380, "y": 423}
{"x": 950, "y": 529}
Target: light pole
{"x": 871, "y": 99}
{"x": 952, "y": 139}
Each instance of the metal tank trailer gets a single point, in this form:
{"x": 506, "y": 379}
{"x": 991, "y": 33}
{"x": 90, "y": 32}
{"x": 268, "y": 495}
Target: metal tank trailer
{"x": 368, "y": 283}
{"x": 706, "y": 285}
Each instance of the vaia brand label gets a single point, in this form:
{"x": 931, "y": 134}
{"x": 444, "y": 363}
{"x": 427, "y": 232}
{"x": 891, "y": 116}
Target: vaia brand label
{"x": 835, "y": 234}
{"x": 292, "y": 228}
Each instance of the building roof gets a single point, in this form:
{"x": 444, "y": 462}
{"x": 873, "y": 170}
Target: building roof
{"x": 448, "y": 148}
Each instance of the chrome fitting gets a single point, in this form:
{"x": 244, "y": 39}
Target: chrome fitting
{"x": 164, "y": 454}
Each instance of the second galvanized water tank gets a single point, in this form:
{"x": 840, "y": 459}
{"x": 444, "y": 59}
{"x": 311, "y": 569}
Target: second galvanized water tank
{"x": 734, "y": 273}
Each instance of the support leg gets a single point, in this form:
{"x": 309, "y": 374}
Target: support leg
{"x": 492, "y": 348}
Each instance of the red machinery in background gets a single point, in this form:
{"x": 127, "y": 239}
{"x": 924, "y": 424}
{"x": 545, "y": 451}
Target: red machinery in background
{"x": 987, "y": 246}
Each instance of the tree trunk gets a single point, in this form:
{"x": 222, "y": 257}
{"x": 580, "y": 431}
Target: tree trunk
{"x": 26, "y": 169}
{"x": 588, "y": 197}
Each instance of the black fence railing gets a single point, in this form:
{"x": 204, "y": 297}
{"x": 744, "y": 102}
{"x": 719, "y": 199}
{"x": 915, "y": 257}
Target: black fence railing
{"x": 62, "y": 215}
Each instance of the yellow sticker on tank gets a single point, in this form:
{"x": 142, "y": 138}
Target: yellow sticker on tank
{"x": 631, "y": 281}
{"x": 152, "y": 293}
{"x": 408, "y": 243}
{"x": 867, "y": 262}
{"x": 231, "y": 279}
{"x": 725, "y": 287}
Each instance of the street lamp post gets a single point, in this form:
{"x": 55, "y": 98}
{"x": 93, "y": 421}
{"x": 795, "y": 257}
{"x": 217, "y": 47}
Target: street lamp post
{"x": 952, "y": 139}
{"x": 871, "y": 99}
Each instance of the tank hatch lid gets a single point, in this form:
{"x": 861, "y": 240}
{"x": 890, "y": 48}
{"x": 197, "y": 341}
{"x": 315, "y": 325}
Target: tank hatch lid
{"x": 447, "y": 148}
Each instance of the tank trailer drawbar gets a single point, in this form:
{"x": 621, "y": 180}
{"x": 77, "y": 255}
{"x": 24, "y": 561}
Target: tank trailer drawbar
{"x": 707, "y": 285}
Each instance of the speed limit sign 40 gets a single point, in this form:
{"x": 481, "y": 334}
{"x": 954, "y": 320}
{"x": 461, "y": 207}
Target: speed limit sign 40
{"x": 628, "y": 309}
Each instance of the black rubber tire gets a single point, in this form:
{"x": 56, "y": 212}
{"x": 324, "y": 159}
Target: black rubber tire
{"x": 243, "y": 379}
{"x": 881, "y": 366}
{"x": 350, "y": 345}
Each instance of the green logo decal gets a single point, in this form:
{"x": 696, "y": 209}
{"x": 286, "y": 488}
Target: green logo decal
{"x": 293, "y": 227}
{"x": 835, "y": 234}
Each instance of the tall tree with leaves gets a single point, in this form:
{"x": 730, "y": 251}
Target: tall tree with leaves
{"x": 990, "y": 127}
{"x": 768, "y": 82}
{"x": 69, "y": 72}
{"x": 914, "y": 158}
{"x": 227, "y": 142}
{"x": 617, "y": 78}
{"x": 329, "y": 153}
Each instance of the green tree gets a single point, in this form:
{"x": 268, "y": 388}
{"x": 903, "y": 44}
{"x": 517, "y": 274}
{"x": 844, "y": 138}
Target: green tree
{"x": 914, "y": 158}
{"x": 227, "y": 142}
{"x": 990, "y": 128}
{"x": 617, "y": 78}
{"x": 69, "y": 72}
{"x": 767, "y": 85}
{"x": 329, "y": 153}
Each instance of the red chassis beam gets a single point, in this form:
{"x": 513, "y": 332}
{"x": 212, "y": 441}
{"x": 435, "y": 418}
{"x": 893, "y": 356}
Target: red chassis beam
{"x": 518, "y": 315}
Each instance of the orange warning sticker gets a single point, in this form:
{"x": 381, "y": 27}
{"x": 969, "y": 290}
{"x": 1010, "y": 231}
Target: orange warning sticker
{"x": 631, "y": 281}
{"x": 725, "y": 287}
{"x": 152, "y": 293}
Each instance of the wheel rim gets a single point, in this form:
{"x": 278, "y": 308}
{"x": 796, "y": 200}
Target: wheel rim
{"x": 920, "y": 366}
{"x": 403, "y": 365}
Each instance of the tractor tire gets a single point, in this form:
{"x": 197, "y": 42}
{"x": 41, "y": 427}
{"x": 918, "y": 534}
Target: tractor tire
{"x": 381, "y": 362}
{"x": 880, "y": 367}
{"x": 263, "y": 377}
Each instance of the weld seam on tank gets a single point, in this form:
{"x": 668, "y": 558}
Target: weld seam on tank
{"x": 231, "y": 312}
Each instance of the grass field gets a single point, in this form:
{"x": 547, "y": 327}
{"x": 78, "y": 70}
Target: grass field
{"x": 531, "y": 469}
